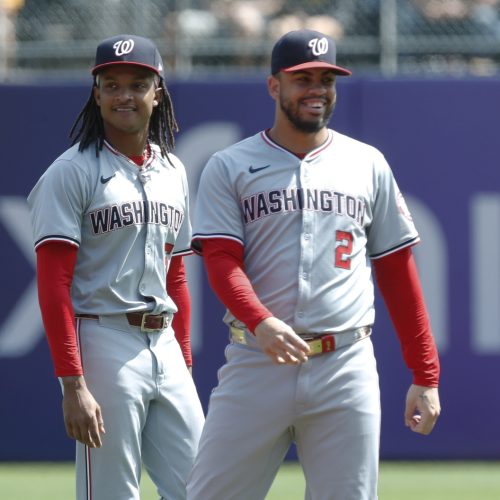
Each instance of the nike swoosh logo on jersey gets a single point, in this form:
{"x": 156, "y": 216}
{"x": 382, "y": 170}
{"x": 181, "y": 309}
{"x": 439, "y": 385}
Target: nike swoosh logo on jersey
{"x": 104, "y": 180}
{"x": 253, "y": 169}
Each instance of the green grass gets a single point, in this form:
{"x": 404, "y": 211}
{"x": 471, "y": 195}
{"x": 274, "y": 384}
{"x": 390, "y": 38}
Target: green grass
{"x": 398, "y": 481}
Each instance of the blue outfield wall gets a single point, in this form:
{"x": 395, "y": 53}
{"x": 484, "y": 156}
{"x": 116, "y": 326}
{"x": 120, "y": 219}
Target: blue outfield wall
{"x": 441, "y": 139}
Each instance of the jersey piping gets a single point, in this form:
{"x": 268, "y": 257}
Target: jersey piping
{"x": 185, "y": 251}
{"x": 227, "y": 236}
{"x": 57, "y": 237}
{"x": 408, "y": 243}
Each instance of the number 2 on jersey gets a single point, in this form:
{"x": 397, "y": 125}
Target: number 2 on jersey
{"x": 343, "y": 249}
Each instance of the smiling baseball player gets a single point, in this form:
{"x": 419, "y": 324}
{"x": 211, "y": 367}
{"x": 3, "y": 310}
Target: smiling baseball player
{"x": 110, "y": 219}
{"x": 290, "y": 222}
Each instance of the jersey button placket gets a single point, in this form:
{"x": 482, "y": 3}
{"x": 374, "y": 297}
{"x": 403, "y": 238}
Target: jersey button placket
{"x": 149, "y": 265}
{"x": 305, "y": 259}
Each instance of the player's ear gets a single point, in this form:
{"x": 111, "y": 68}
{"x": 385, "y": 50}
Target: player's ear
{"x": 97, "y": 95}
{"x": 158, "y": 96}
{"x": 273, "y": 86}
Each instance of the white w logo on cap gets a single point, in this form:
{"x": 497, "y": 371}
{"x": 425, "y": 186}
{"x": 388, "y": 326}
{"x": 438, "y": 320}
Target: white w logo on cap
{"x": 319, "y": 46}
{"x": 123, "y": 47}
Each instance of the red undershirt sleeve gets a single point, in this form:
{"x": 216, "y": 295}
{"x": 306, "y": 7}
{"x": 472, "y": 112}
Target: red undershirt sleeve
{"x": 225, "y": 269}
{"x": 55, "y": 266}
{"x": 399, "y": 284}
{"x": 178, "y": 291}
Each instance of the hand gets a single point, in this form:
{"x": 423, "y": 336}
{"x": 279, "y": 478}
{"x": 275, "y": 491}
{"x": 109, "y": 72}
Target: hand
{"x": 82, "y": 414}
{"x": 422, "y": 408}
{"x": 280, "y": 342}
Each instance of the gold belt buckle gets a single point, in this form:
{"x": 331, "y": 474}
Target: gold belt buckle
{"x": 238, "y": 335}
{"x": 315, "y": 347}
{"x": 326, "y": 343}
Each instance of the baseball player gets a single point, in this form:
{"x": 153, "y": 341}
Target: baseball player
{"x": 290, "y": 222}
{"x": 111, "y": 223}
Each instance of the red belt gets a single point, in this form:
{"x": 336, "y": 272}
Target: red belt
{"x": 146, "y": 322}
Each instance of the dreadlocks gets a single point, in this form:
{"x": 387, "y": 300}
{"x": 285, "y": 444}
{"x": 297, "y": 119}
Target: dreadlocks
{"x": 89, "y": 128}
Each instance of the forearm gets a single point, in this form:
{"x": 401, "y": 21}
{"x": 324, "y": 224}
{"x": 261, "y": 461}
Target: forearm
{"x": 55, "y": 265}
{"x": 227, "y": 277}
{"x": 398, "y": 281}
{"x": 178, "y": 291}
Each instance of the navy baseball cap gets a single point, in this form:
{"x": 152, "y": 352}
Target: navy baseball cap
{"x": 305, "y": 49}
{"x": 128, "y": 49}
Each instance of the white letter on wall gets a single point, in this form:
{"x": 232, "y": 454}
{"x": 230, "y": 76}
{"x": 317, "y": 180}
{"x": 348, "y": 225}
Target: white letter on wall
{"x": 485, "y": 273}
{"x": 432, "y": 260}
{"x": 194, "y": 148}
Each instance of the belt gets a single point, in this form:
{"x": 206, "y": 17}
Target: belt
{"x": 319, "y": 343}
{"x": 146, "y": 322}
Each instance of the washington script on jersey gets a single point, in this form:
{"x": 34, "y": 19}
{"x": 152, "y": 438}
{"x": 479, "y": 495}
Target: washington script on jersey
{"x": 263, "y": 204}
{"x": 136, "y": 212}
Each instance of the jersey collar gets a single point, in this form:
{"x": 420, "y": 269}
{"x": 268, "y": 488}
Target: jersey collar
{"x": 117, "y": 153}
{"x": 309, "y": 156}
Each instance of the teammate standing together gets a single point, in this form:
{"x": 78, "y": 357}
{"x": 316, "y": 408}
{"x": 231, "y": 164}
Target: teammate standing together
{"x": 111, "y": 223}
{"x": 290, "y": 223}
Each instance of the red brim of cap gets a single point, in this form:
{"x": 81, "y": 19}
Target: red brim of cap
{"x": 338, "y": 70}
{"x": 100, "y": 67}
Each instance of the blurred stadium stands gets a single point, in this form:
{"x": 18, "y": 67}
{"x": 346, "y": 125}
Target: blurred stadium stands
{"x": 58, "y": 37}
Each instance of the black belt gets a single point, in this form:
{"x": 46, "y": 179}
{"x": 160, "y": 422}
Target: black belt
{"x": 146, "y": 322}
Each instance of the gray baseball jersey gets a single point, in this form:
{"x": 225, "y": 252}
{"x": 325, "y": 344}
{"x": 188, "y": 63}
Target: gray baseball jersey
{"x": 324, "y": 216}
{"x": 103, "y": 206}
